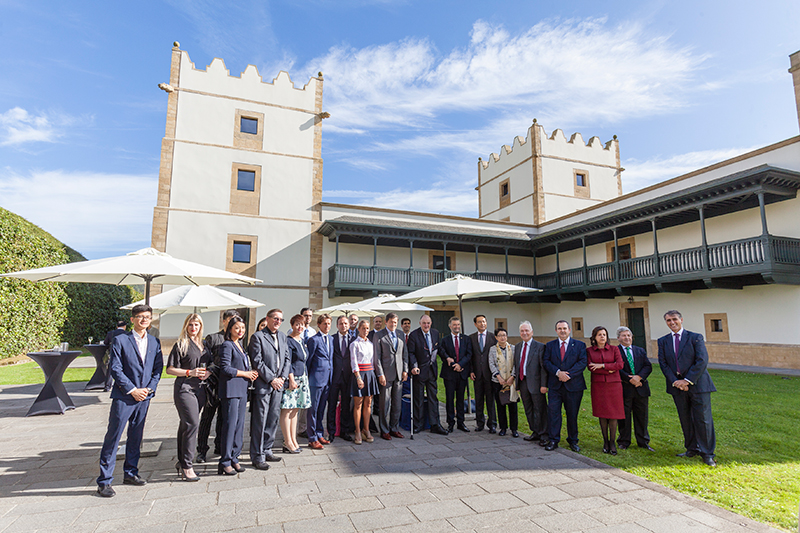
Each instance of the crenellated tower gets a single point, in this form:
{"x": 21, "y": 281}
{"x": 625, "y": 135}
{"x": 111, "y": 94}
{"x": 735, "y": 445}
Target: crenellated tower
{"x": 539, "y": 178}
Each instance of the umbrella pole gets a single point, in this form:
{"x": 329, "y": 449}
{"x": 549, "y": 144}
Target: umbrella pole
{"x": 147, "y": 291}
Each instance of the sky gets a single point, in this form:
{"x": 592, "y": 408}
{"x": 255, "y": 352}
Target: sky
{"x": 417, "y": 92}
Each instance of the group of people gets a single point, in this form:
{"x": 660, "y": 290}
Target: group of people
{"x": 328, "y": 380}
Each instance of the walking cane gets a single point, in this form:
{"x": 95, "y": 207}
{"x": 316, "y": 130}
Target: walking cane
{"x": 411, "y": 390}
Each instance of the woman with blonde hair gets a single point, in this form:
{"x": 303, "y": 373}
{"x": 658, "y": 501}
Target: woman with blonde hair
{"x": 188, "y": 360}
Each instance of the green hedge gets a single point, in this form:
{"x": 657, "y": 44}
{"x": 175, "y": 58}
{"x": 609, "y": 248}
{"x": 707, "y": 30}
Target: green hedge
{"x": 36, "y": 316}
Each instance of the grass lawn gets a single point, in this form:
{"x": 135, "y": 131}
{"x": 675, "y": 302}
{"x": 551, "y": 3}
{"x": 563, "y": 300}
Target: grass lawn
{"x": 30, "y": 373}
{"x": 758, "y": 446}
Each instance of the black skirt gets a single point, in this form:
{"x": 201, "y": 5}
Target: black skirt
{"x": 371, "y": 387}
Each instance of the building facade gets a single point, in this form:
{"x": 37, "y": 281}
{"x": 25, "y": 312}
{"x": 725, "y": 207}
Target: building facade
{"x": 240, "y": 188}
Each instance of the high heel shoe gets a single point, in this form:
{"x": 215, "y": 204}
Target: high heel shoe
{"x": 367, "y": 437}
{"x": 222, "y": 472}
{"x": 613, "y": 450}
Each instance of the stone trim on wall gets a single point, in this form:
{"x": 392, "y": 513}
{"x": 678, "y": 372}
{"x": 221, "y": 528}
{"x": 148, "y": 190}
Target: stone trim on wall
{"x": 577, "y": 326}
{"x": 620, "y": 242}
{"x": 505, "y": 199}
{"x": 581, "y": 191}
{"x": 245, "y": 202}
{"x": 716, "y": 336}
{"x": 652, "y": 349}
{"x": 248, "y": 140}
{"x": 246, "y": 269}
{"x": 315, "y": 295}
{"x": 451, "y": 255}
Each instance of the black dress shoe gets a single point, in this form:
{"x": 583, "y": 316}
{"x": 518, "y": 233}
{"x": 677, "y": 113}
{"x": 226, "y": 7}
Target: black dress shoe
{"x": 346, "y": 437}
{"x": 710, "y": 461}
{"x": 439, "y": 430}
{"x": 543, "y": 443}
{"x": 647, "y": 447}
{"x": 463, "y": 428}
{"x": 105, "y": 491}
{"x": 622, "y": 446}
{"x": 272, "y": 459}
{"x": 134, "y": 480}
{"x": 514, "y": 433}
{"x": 200, "y": 458}
{"x": 222, "y": 472}
{"x": 238, "y": 467}
{"x": 575, "y": 448}
{"x": 502, "y": 432}
{"x": 492, "y": 431}
{"x": 687, "y": 453}
{"x": 530, "y": 437}
{"x": 450, "y": 429}
{"x": 551, "y": 446}
{"x": 262, "y": 465}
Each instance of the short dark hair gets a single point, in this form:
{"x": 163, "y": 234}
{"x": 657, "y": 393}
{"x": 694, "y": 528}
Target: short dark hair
{"x": 273, "y": 311}
{"x": 563, "y": 321}
{"x": 345, "y": 319}
{"x": 391, "y": 316}
{"x": 297, "y": 319}
{"x": 404, "y": 320}
{"x": 229, "y": 313}
{"x": 672, "y": 312}
{"x": 595, "y": 331}
{"x": 453, "y": 319}
{"x": 303, "y": 310}
{"x": 322, "y": 318}
{"x": 141, "y": 308}
{"x": 122, "y": 323}
{"x": 234, "y": 320}
{"x": 498, "y": 330}
{"x": 475, "y": 320}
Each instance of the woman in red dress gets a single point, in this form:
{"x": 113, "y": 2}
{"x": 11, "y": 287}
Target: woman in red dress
{"x": 605, "y": 362}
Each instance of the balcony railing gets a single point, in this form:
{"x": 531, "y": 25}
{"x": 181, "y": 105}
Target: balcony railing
{"x": 679, "y": 265}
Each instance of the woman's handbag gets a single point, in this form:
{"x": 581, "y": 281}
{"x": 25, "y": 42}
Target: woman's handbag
{"x": 505, "y": 395}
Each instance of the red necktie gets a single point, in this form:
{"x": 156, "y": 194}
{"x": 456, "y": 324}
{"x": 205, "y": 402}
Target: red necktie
{"x": 455, "y": 340}
{"x": 563, "y": 350}
{"x": 522, "y": 361}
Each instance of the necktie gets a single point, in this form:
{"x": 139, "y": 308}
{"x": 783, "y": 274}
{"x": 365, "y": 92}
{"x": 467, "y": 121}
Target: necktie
{"x": 481, "y": 341}
{"x": 406, "y": 335}
{"x": 630, "y": 357}
{"x": 677, "y": 349}
{"x": 277, "y": 350}
{"x": 563, "y": 350}
{"x": 328, "y": 345}
{"x": 394, "y": 339}
{"x": 522, "y": 361}
{"x": 344, "y": 345}
{"x": 455, "y": 341}
{"x": 305, "y": 335}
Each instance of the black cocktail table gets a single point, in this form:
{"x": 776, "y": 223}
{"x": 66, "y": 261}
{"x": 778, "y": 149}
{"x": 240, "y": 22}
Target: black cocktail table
{"x": 53, "y": 399}
{"x": 98, "y": 381}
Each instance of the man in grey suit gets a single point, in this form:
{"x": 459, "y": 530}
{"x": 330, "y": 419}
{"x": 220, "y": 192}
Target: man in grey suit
{"x": 270, "y": 356}
{"x": 391, "y": 356}
{"x": 532, "y": 383}
{"x": 482, "y": 342}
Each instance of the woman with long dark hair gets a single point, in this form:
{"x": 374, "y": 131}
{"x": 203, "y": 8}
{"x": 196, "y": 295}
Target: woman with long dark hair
{"x": 605, "y": 362}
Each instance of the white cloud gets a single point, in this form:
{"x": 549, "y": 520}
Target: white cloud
{"x": 17, "y": 126}
{"x": 97, "y": 214}
{"x": 641, "y": 174}
{"x": 563, "y": 72}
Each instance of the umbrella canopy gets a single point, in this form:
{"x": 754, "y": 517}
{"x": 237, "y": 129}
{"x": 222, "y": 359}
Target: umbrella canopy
{"x": 346, "y": 309}
{"x": 457, "y": 288}
{"x": 191, "y": 299}
{"x": 383, "y": 303}
{"x": 135, "y": 268}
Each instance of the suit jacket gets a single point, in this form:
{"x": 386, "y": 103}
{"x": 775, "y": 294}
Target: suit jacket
{"x": 480, "y": 358}
{"x": 231, "y": 360}
{"x": 420, "y": 357}
{"x": 341, "y": 361}
{"x": 448, "y": 349}
{"x": 126, "y": 366}
{"x": 641, "y": 368}
{"x": 574, "y": 362}
{"x": 270, "y": 361}
{"x": 213, "y": 342}
{"x": 320, "y": 360}
{"x": 535, "y": 373}
{"x": 390, "y": 362}
{"x": 611, "y": 357}
{"x": 692, "y": 360}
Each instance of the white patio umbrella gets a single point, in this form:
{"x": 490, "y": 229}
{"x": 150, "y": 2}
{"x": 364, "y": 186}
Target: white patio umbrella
{"x": 388, "y": 302}
{"x": 191, "y": 299}
{"x": 346, "y": 309}
{"x": 144, "y": 266}
{"x": 458, "y": 287}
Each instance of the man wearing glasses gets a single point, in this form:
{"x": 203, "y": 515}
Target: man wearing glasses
{"x": 136, "y": 363}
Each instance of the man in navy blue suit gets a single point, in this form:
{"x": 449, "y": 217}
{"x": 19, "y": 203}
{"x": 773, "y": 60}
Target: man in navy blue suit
{"x": 320, "y": 369}
{"x": 136, "y": 363}
{"x": 456, "y": 352}
{"x": 340, "y": 383}
{"x": 565, "y": 361}
{"x": 423, "y": 348}
{"x": 683, "y": 358}
{"x": 635, "y": 391}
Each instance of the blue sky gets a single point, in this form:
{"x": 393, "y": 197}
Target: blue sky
{"x": 417, "y": 92}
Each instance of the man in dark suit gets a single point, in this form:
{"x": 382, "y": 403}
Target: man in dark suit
{"x": 320, "y": 368}
{"x": 683, "y": 358}
{"x": 391, "y": 356}
{"x": 532, "y": 383}
{"x": 423, "y": 348}
{"x": 456, "y": 353}
{"x": 565, "y": 361}
{"x": 377, "y": 326}
{"x": 136, "y": 363}
{"x": 212, "y": 342}
{"x": 482, "y": 342}
{"x": 635, "y": 391}
{"x": 119, "y": 330}
{"x": 405, "y": 325}
{"x": 271, "y": 358}
{"x": 340, "y": 383}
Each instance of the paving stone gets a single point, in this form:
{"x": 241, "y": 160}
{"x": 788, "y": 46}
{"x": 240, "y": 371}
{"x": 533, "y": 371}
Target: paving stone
{"x": 618, "y": 484}
{"x": 564, "y": 523}
{"x": 190, "y": 501}
{"x": 673, "y": 523}
{"x": 383, "y": 489}
{"x": 635, "y": 495}
{"x": 505, "y": 485}
{"x": 231, "y": 522}
{"x": 620, "y": 528}
{"x": 291, "y": 489}
{"x": 461, "y": 491}
{"x": 492, "y": 502}
{"x": 272, "y": 503}
{"x": 716, "y": 522}
{"x": 662, "y": 506}
{"x": 442, "y": 509}
{"x": 615, "y": 514}
{"x": 432, "y": 526}
{"x": 109, "y": 512}
{"x": 247, "y": 494}
{"x": 579, "y": 504}
{"x": 355, "y": 505}
{"x": 382, "y": 518}
{"x": 289, "y": 513}
{"x": 541, "y": 495}
{"x": 583, "y": 489}
{"x": 328, "y": 524}
{"x": 407, "y": 498}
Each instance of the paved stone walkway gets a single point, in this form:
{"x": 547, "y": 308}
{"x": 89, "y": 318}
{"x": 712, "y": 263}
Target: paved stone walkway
{"x": 462, "y": 482}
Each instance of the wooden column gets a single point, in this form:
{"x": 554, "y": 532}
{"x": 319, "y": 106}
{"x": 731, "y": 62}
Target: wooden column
{"x": 703, "y": 235}
{"x": 616, "y": 255}
{"x": 585, "y": 268}
{"x": 762, "y": 208}
{"x": 476, "y": 260}
{"x": 337, "y": 249}
{"x": 558, "y": 269}
{"x": 657, "y": 265}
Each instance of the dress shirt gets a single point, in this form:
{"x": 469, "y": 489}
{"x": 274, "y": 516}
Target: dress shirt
{"x": 361, "y": 353}
{"x": 393, "y": 335}
{"x": 141, "y": 343}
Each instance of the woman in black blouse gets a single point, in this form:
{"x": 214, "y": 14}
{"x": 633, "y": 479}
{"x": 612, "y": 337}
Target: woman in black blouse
{"x": 188, "y": 360}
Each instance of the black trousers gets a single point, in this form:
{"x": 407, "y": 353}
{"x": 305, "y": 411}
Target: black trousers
{"x": 636, "y": 416}
{"x": 340, "y": 391}
{"x": 430, "y": 388}
{"x": 694, "y": 412}
{"x": 454, "y": 400}
{"x": 484, "y": 393}
{"x": 188, "y": 401}
{"x": 571, "y": 401}
{"x": 535, "y": 406}
{"x": 513, "y": 417}
{"x": 206, "y": 419}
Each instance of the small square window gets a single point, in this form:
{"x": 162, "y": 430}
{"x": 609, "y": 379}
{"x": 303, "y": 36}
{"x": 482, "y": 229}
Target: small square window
{"x": 439, "y": 262}
{"x": 624, "y": 252}
{"x": 241, "y": 252}
{"x": 246, "y": 180}
{"x": 716, "y": 325}
{"x": 249, "y": 125}
{"x": 505, "y": 189}
{"x": 580, "y": 180}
